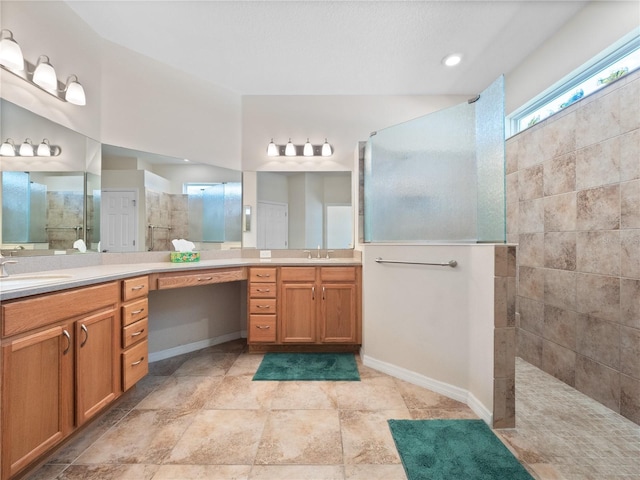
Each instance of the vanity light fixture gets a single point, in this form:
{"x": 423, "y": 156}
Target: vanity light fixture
{"x": 42, "y": 74}
{"x": 292, "y": 150}
{"x": 28, "y": 149}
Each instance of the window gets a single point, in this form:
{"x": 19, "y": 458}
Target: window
{"x": 591, "y": 78}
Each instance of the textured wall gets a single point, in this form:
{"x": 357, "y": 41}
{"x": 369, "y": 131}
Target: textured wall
{"x": 573, "y": 206}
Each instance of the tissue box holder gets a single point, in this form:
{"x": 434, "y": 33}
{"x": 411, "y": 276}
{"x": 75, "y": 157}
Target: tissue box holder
{"x": 183, "y": 257}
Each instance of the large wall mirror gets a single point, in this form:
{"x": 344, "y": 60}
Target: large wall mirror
{"x": 50, "y": 204}
{"x": 304, "y": 210}
{"x": 150, "y": 199}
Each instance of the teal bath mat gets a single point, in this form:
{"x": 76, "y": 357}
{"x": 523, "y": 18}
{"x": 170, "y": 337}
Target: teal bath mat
{"x": 308, "y": 366}
{"x": 454, "y": 450}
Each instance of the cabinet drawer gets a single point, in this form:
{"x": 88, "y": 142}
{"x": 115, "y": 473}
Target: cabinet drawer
{"x": 134, "y": 311}
{"x": 204, "y": 277}
{"x": 262, "y": 290}
{"x": 262, "y": 305}
{"x": 262, "y": 328}
{"x": 263, "y": 275}
{"x": 338, "y": 274}
{"x": 135, "y": 364}
{"x": 298, "y": 274}
{"x": 135, "y": 288}
{"x": 135, "y": 332}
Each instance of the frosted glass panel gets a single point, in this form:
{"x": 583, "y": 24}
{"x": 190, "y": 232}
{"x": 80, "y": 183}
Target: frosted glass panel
{"x": 15, "y": 207}
{"x": 37, "y": 213}
{"x": 213, "y": 214}
{"x": 233, "y": 212}
{"x": 439, "y": 178}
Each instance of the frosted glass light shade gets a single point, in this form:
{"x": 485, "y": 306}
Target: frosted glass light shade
{"x": 73, "y": 92}
{"x": 290, "y": 149}
{"x": 11, "y": 53}
{"x": 8, "y": 149}
{"x": 272, "y": 149}
{"x": 26, "y": 149}
{"x": 327, "y": 151}
{"x": 45, "y": 75}
{"x": 307, "y": 151}
{"x": 44, "y": 149}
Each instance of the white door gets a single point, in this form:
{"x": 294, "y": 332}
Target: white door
{"x": 119, "y": 220}
{"x": 339, "y": 226}
{"x": 273, "y": 225}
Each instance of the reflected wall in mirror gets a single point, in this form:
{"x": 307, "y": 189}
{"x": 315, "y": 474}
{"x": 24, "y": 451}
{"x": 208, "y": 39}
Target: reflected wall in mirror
{"x": 304, "y": 210}
{"x": 48, "y": 203}
{"x": 168, "y": 198}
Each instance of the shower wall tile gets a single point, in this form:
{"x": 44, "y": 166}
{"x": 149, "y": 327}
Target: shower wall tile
{"x": 531, "y": 315}
{"x": 560, "y": 326}
{"x": 504, "y": 408}
{"x": 629, "y": 101}
{"x": 531, "y": 216}
{"x": 630, "y": 302}
{"x": 598, "y": 164}
{"x": 560, "y": 174}
{"x": 599, "y": 252}
{"x": 531, "y": 249}
{"x": 531, "y": 283}
{"x": 512, "y": 152}
{"x": 530, "y": 152}
{"x": 559, "y": 362}
{"x": 559, "y": 136}
{"x": 599, "y": 340}
{"x": 630, "y": 253}
{"x": 560, "y": 212}
{"x": 630, "y": 398}
{"x": 529, "y": 347}
{"x": 530, "y": 183}
{"x": 630, "y": 352}
{"x": 512, "y": 187}
{"x": 560, "y": 288}
{"x": 513, "y": 214}
{"x": 629, "y": 157}
{"x": 598, "y": 382}
{"x": 598, "y": 296}
{"x": 560, "y": 250}
{"x": 504, "y": 352}
{"x": 599, "y": 208}
{"x": 630, "y": 204}
{"x": 598, "y": 120}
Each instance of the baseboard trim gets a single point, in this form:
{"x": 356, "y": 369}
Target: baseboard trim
{"x": 446, "y": 389}
{"x": 192, "y": 347}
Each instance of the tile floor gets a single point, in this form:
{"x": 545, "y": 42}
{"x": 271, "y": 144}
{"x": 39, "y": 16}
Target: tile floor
{"x": 199, "y": 416}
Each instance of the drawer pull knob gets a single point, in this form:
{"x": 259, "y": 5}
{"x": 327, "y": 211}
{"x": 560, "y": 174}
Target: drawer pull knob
{"x": 138, "y": 333}
{"x": 137, "y": 287}
{"x": 86, "y": 335}
{"x": 263, "y": 327}
{"x": 205, "y": 279}
{"x": 261, "y": 275}
{"x": 263, "y": 306}
{"x": 68, "y": 337}
{"x": 138, "y": 362}
{"x": 136, "y": 312}
{"x": 263, "y": 290}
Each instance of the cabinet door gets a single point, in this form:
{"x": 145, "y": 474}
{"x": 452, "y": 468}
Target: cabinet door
{"x": 298, "y": 313}
{"x": 338, "y": 313}
{"x": 97, "y": 375}
{"x": 37, "y": 393}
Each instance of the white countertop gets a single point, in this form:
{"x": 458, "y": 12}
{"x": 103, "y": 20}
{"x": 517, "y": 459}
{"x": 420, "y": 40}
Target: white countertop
{"x": 22, "y": 285}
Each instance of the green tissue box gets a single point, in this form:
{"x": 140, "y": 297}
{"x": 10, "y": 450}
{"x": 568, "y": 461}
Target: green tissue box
{"x": 181, "y": 257}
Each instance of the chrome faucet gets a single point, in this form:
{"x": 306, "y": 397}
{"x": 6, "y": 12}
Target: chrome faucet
{"x": 3, "y": 270}
{"x": 308, "y": 252}
{"x": 328, "y": 252}
{"x": 318, "y": 252}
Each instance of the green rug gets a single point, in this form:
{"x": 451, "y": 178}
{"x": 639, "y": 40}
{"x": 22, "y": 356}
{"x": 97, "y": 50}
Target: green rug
{"x": 308, "y": 366}
{"x": 454, "y": 450}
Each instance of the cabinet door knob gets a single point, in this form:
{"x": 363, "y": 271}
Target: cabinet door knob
{"x": 136, "y": 312}
{"x": 138, "y": 333}
{"x": 138, "y": 362}
{"x": 263, "y": 306}
{"x": 261, "y": 290}
{"x": 261, "y": 275}
{"x": 205, "y": 279}
{"x": 263, "y": 327}
{"x": 313, "y": 293}
{"x": 86, "y": 335}
{"x": 68, "y": 337}
{"x": 137, "y": 287}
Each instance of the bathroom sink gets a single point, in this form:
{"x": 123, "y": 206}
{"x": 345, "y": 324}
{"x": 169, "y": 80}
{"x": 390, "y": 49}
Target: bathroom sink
{"x": 22, "y": 281}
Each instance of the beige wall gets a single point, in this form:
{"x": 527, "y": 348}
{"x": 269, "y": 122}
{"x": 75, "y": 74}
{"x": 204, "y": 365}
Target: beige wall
{"x": 573, "y": 205}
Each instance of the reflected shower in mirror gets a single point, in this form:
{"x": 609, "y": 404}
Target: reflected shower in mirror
{"x": 304, "y": 210}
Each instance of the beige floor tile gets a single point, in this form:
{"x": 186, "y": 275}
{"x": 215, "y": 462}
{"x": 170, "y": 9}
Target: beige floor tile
{"x": 203, "y": 472}
{"x": 374, "y": 472}
{"x": 417, "y": 397}
{"x": 305, "y": 395}
{"x": 47, "y": 472}
{"x": 242, "y": 393}
{"x": 376, "y": 393}
{"x": 427, "y": 414}
{"x": 207, "y": 364}
{"x": 304, "y": 437}
{"x": 297, "y": 472}
{"x": 181, "y": 393}
{"x": 220, "y": 437}
{"x": 139, "y": 391}
{"x": 143, "y": 436}
{"x": 109, "y": 472}
{"x": 366, "y": 437}
{"x": 246, "y": 364}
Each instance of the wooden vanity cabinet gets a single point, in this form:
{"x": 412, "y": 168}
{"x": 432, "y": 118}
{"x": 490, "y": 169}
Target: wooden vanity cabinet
{"x": 262, "y": 306}
{"x": 135, "y": 330}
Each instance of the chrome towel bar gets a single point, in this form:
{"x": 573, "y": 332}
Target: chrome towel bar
{"x": 450, "y": 263}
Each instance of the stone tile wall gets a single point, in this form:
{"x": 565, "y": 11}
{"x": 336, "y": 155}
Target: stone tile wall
{"x": 573, "y": 207}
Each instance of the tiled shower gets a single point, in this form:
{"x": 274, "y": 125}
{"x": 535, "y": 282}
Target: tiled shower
{"x": 573, "y": 208}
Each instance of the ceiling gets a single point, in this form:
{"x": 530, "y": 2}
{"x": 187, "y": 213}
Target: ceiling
{"x": 333, "y": 47}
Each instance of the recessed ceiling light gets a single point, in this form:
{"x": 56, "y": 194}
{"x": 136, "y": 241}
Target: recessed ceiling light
{"x": 452, "y": 60}
{"x": 186, "y": 159}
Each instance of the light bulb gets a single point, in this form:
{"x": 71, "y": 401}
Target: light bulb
{"x": 73, "y": 92}
{"x": 45, "y": 75}
{"x": 327, "y": 151}
{"x": 290, "y": 149}
{"x": 272, "y": 149}
{"x": 8, "y": 148}
{"x": 10, "y": 52}
{"x": 26, "y": 149}
{"x": 308, "y": 149}
{"x": 44, "y": 149}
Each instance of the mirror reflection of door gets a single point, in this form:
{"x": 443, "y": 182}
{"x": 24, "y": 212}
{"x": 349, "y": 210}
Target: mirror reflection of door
{"x": 119, "y": 220}
{"x": 273, "y": 225}
{"x": 339, "y": 226}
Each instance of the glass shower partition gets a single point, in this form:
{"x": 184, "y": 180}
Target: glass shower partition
{"x": 439, "y": 178}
